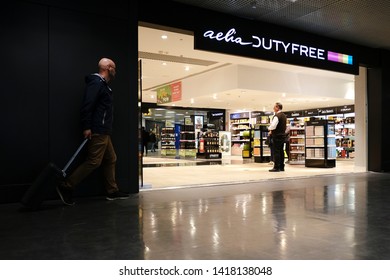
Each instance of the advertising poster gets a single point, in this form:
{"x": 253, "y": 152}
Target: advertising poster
{"x": 225, "y": 140}
{"x": 169, "y": 93}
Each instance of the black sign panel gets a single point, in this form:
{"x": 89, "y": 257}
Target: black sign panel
{"x": 255, "y": 114}
{"x": 327, "y": 111}
{"x": 346, "y": 109}
{"x": 294, "y": 114}
{"x": 242, "y": 115}
{"x": 311, "y": 113}
{"x": 215, "y": 114}
{"x": 264, "y": 41}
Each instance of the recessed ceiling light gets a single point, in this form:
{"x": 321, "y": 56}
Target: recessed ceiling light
{"x": 164, "y": 37}
{"x": 253, "y": 4}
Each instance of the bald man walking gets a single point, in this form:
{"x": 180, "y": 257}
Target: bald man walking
{"x": 96, "y": 120}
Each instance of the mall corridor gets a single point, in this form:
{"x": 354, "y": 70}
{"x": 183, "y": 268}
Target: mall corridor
{"x": 324, "y": 217}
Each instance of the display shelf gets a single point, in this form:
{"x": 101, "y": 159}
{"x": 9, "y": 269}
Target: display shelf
{"x": 297, "y": 145}
{"x": 261, "y": 151}
{"x": 187, "y": 139}
{"x": 345, "y": 137}
{"x": 240, "y": 140}
{"x": 247, "y": 138}
{"x": 209, "y": 146}
{"x": 320, "y": 144}
{"x": 237, "y": 127}
{"x": 168, "y": 141}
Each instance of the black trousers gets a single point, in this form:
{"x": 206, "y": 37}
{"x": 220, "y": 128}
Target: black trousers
{"x": 278, "y": 146}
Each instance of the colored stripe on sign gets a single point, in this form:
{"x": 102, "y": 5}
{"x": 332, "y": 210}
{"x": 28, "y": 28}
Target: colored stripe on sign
{"x": 339, "y": 57}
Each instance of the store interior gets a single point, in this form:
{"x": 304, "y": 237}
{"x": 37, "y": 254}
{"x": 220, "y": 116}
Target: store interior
{"x": 244, "y": 90}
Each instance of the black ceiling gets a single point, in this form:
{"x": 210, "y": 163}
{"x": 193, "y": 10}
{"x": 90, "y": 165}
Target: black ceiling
{"x": 363, "y": 22}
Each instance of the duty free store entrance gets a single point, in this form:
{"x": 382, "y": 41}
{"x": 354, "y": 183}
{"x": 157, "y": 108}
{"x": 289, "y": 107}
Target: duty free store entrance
{"x": 253, "y": 79}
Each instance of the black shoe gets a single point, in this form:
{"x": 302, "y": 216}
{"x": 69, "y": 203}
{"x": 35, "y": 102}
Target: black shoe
{"x": 274, "y": 170}
{"x": 281, "y": 169}
{"x": 65, "y": 194}
{"x": 117, "y": 195}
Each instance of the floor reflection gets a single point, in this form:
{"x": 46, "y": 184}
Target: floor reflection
{"x": 343, "y": 217}
{"x": 283, "y": 224}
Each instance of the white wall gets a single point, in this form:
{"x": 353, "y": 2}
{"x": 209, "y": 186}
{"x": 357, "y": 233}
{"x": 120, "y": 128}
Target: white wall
{"x": 291, "y": 82}
{"x": 222, "y": 79}
{"x": 233, "y": 77}
{"x": 361, "y": 120}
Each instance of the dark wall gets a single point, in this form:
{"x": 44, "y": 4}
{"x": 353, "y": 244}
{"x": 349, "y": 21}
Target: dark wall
{"x": 385, "y": 116}
{"x": 24, "y": 141}
{"x": 48, "y": 47}
{"x": 378, "y": 88}
{"x": 374, "y": 108}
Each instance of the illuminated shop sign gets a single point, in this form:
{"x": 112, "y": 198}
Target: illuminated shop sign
{"x": 322, "y": 111}
{"x": 242, "y": 115}
{"x": 294, "y": 114}
{"x": 312, "y": 112}
{"x": 217, "y": 114}
{"x": 252, "y": 43}
{"x": 346, "y": 109}
{"x": 327, "y": 111}
{"x": 267, "y": 44}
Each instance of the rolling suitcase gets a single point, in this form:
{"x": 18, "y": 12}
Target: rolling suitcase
{"x": 47, "y": 179}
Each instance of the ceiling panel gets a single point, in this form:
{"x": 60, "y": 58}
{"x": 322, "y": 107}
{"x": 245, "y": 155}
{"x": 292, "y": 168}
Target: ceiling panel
{"x": 364, "y": 22}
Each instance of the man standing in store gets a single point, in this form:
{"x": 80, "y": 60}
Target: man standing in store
{"x": 145, "y": 141}
{"x": 96, "y": 120}
{"x": 277, "y": 130}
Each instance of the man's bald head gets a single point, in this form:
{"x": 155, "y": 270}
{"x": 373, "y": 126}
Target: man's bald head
{"x": 107, "y": 68}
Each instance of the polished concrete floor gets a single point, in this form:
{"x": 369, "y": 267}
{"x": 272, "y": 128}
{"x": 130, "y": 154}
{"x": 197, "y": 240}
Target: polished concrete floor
{"x": 165, "y": 172}
{"x": 323, "y": 217}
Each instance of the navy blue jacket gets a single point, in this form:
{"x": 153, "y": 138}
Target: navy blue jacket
{"x": 97, "y": 106}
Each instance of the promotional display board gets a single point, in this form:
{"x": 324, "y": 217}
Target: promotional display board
{"x": 225, "y": 138}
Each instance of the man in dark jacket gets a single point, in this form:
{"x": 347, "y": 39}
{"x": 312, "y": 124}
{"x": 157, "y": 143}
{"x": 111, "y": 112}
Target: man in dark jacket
{"x": 145, "y": 141}
{"x": 277, "y": 130}
{"x": 96, "y": 120}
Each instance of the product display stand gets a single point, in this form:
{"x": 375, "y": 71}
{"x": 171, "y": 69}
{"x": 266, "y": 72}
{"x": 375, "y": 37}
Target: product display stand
{"x": 345, "y": 137}
{"x": 168, "y": 141}
{"x": 209, "y": 146}
{"x": 187, "y": 139}
{"x": 320, "y": 144}
{"x": 239, "y": 128}
{"x": 297, "y": 145}
{"x": 247, "y": 137}
{"x": 261, "y": 150}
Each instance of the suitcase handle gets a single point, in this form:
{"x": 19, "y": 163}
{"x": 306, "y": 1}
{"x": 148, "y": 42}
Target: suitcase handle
{"x": 73, "y": 157}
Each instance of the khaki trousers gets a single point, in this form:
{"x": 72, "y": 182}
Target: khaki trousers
{"x": 100, "y": 153}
